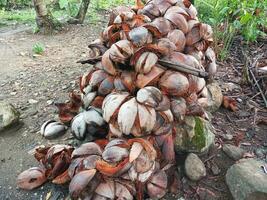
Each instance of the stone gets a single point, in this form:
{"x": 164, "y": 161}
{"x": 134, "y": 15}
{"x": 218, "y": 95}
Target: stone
{"x": 215, "y": 169}
{"x": 32, "y": 101}
{"x": 194, "y": 167}
{"x": 247, "y": 181}
{"x": 194, "y": 135}
{"x": 8, "y": 115}
{"x": 50, "y": 102}
{"x": 260, "y": 152}
{"x": 233, "y": 152}
{"x": 215, "y": 97}
{"x": 228, "y": 136}
{"x": 231, "y": 87}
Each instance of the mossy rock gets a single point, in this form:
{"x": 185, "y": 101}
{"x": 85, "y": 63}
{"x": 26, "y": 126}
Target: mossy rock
{"x": 194, "y": 135}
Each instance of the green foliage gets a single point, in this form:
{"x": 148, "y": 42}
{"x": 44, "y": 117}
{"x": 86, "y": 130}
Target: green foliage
{"x": 61, "y": 8}
{"x": 71, "y": 6}
{"x": 23, "y": 16}
{"x": 106, "y": 4}
{"x": 18, "y": 15}
{"x": 14, "y": 4}
{"x": 3, "y": 3}
{"x": 231, "y": 17}
{"x": 38, "y": 48}
{"x": 96, "y": 6}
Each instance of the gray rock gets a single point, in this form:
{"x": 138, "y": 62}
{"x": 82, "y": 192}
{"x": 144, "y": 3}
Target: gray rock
{"x": 50, "y": 102}
{"x": 233, "y": 152}
{"x": 215, "y": 169}
{"x": 231, "y": 87}
{"x": 247, "y": 181}
{"x": 228, "y": 136}
{"x": 215, "y": 97}
{"x": 194, "y": 167}
{"x": 8, "y": 115}
{"x": 32, "y": 101}
{"x": 260, "y": 152}
{"x": 194, "y": 135}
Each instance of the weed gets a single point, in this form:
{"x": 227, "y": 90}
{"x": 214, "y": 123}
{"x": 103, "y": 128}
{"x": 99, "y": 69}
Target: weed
{"x": 38, "y": 48}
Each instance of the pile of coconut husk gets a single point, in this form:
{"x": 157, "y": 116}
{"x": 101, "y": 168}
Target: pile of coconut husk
{"x": 145, "y": 96}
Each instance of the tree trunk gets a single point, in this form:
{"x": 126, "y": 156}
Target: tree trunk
{"x": 45, "y": 21}
{"x": 82, "y": 11}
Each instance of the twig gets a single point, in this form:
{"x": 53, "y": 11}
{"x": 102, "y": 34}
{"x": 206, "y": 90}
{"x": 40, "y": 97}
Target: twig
{"x": 213, "y": 187}
{"x": 165, "y": 63}
{"x": 245, "y": 69}
{"x": 255, "y": 95}
{"x": 184, "y": 68}
{"x": 259, "y": 88}
{"x": 249, "y": 70}
{"x": 228, "y": 118}
{"x": 255, "y": 116}
{"x": 211, "y": 157}
{"x": 91, "y": 61}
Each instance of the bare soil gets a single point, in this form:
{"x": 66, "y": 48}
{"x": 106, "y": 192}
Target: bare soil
{"x": 50, "y": 77}
{"x": 25, "y": 77}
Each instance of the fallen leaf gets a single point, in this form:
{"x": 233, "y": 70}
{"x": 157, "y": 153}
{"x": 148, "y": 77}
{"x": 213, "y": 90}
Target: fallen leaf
{"x": 229, "y": 103}
{"x": 238, "y": 137}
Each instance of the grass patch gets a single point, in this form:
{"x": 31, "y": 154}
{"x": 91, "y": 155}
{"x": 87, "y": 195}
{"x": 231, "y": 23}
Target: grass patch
{"x": 107, "y": 4}
{"x": 24, "y": 16}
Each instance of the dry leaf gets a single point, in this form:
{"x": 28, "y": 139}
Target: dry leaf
{"x": 238, "y": 138}
{"x": 229, "y": 103}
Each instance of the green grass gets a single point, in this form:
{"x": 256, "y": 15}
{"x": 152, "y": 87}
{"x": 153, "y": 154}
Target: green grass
{"x": 24, "y": 16}
{"x": 107, "y": 4}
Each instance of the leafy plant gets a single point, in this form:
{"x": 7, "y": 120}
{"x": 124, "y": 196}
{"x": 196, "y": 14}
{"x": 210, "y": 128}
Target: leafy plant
{"x": 71, "y": 6}
{"x": 15, "y": 4}
{"x": 231, "y": 17}
{"x": 38, "y": 48}
{"x": 3, "y": 3}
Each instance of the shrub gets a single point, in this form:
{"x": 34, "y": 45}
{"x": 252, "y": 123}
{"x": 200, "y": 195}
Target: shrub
{"x": 231, "y": 17}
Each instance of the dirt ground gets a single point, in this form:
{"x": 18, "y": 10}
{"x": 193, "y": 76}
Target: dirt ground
{"x": 25, "y": 77}
{"x": 33, "y": 84}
